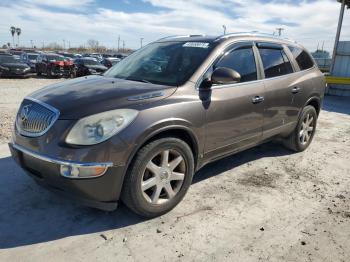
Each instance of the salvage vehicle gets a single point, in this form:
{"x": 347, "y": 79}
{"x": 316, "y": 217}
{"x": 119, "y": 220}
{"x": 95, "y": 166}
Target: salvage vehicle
{"x": 30, "y": 59}
{"x": 139, "y": 132}
{"x": 88, "y": 66}
{"x": 110, "y": 61}
{"x": 10, "y": 66}
{"x": 50, "y": 64}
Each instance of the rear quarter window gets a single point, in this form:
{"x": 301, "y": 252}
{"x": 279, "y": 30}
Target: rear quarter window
{"x": 302, "y": 57}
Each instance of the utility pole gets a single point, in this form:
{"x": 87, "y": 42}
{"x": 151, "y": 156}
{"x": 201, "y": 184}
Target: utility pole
{"x": 123, "y": 46}
{"x": 279, "y": 30}
{"x": 224, "y": 27}
{"x": 337, "y": 36}
{"x": 31, "y": 43}
{"x": 118, "y": 42}
{"x": 64, "y": 44}
{"x": 141, "y": 39}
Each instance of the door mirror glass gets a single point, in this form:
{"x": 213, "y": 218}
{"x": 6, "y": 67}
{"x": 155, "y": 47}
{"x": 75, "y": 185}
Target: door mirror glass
{"x": 224, "y": 75}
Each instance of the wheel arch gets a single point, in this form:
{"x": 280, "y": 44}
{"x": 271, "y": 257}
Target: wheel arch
{"x": 182, "y": 132}
{"x": 315, "y": 102}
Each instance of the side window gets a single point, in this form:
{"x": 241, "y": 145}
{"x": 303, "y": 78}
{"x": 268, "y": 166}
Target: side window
{"x": 241, "y": 60}
{"x": 302, "y": 57}
{"x": 275, "y": 62}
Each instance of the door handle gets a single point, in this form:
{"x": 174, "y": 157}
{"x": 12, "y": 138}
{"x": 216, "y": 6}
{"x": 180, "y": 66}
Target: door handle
{"x": 295, "y": 89}
{"x": 257, "y": 99}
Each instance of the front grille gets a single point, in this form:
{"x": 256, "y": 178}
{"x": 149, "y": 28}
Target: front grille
{"x": 34, "y": 118}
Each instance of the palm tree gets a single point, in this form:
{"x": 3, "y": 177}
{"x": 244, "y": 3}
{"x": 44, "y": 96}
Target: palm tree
{"x": 13, "y": 31}
{"x": 18, "y": 31}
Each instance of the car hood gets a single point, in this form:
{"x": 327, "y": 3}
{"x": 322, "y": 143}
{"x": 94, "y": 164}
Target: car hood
{"x": 85, "y": 96}
{"x": 102, "y": 67}
{"x": 15, "y": 65}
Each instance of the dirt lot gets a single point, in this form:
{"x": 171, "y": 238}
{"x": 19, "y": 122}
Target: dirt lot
{"x": 264, "y": 204}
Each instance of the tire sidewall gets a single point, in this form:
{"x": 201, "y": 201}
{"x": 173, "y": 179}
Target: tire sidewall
{"x": 307, "y": 110}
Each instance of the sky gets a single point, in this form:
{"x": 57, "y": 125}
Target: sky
{"x": 74, "y": 22}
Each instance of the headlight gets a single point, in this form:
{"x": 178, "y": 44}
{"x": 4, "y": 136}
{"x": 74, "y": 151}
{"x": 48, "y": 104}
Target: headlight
{"x": 100, "y": 127}
{"x": 4, "y": 68}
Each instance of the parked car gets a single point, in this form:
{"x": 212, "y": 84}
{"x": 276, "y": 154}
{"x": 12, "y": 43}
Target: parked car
{"x": 88, "y": 66}
{"x": 30, "y": 59}
{"x": 10, "y": 66}
{"x": 51, "y": 65}
{"x": 69, "y": 55}
{"x": 139, "y": 132}
{"x": 96, "y": 56}
{"x": 110, "y": 61}
{"x": 17, "y": 52}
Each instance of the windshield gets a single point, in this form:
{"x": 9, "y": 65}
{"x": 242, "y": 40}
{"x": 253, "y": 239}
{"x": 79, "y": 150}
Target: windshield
{"x": 90, "y": 62}
{"x": 9, "y": 59}
{"x": 169, "y": 63}
{"x": 32, "y": 57}
{"x": 55, "y": 58}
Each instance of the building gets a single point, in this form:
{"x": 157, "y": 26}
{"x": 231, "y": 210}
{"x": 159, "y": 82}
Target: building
{"x": 339, "y": 82}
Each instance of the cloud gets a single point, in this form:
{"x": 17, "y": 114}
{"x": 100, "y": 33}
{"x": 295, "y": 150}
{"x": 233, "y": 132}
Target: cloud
{"x": 66, "y": 4}
{"x": 309, "y": 22}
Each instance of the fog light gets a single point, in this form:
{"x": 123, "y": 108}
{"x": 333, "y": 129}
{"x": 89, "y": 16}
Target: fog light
{"x": 81, "y": 172}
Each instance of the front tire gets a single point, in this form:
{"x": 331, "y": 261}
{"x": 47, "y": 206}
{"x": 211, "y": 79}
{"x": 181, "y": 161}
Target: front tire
{"x": 159, "y": 177}
{"x": 304, "y": 132}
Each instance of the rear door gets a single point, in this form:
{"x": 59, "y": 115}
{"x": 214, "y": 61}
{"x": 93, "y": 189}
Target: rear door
{"x": 279, "y": 82}
{"x": 233, "y": 118}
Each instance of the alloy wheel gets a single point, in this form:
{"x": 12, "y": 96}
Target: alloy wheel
{"x": 306, "y": 129}
{"x": 163, "y": 177}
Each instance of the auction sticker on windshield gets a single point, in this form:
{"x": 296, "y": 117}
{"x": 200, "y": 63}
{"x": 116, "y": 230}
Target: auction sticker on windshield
{"x": 196, "y": 44}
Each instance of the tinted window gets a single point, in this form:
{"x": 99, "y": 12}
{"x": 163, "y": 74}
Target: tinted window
{"x": 55, "y": 58}
{"x": 303, "y": 59}
{"x": 241, "y": 60}
{"x": 275, "y": 62}
{"x": 89, "y": 62}
{"x": 8, "y": 59}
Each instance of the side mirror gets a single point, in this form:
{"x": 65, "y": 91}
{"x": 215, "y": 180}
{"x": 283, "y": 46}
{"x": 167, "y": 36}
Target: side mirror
{"x": 224, "y": 75}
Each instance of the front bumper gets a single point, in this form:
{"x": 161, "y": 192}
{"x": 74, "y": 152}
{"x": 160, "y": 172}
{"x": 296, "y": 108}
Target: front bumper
{"x": 99, "y": 192}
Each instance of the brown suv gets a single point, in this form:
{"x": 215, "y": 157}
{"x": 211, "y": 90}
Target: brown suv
{"x": 140, "y": 131}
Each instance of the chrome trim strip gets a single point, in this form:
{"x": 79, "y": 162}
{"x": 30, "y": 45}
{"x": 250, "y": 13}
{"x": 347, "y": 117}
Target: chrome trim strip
{"x": 59, "y": 161}
{"x": 51, "y": 108}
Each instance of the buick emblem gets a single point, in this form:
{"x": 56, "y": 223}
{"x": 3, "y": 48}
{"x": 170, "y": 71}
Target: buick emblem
{"x": 25, "y": 112}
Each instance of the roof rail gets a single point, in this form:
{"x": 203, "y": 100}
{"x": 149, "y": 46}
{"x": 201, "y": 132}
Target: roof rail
{"x": 252, "y": 33}
{"x": 179, "y": 36}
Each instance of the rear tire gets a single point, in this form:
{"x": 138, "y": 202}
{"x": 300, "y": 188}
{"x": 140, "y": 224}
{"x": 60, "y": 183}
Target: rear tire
{"x": 304, "y": 132}
{"x": 158, "y": 177}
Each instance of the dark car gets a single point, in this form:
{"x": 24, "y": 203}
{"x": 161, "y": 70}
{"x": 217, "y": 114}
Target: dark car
{"x": 139, "y": 132}
{"x": 11, "y": 66}
{"x": 30, "y": 59}
{"x": 110, "y": 61}
{"x": 88, "y": 66}
{"x": 51, "y": 65}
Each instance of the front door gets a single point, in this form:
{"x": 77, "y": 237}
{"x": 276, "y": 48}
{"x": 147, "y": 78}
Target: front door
{"x": 234, "y": 112}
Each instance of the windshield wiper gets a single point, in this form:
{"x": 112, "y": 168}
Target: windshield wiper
{"x": 138, "y": 80}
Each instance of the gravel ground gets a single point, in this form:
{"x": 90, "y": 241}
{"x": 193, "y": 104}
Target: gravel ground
{"x": 264, "y": 204}
{"x": 12, "y": 91}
